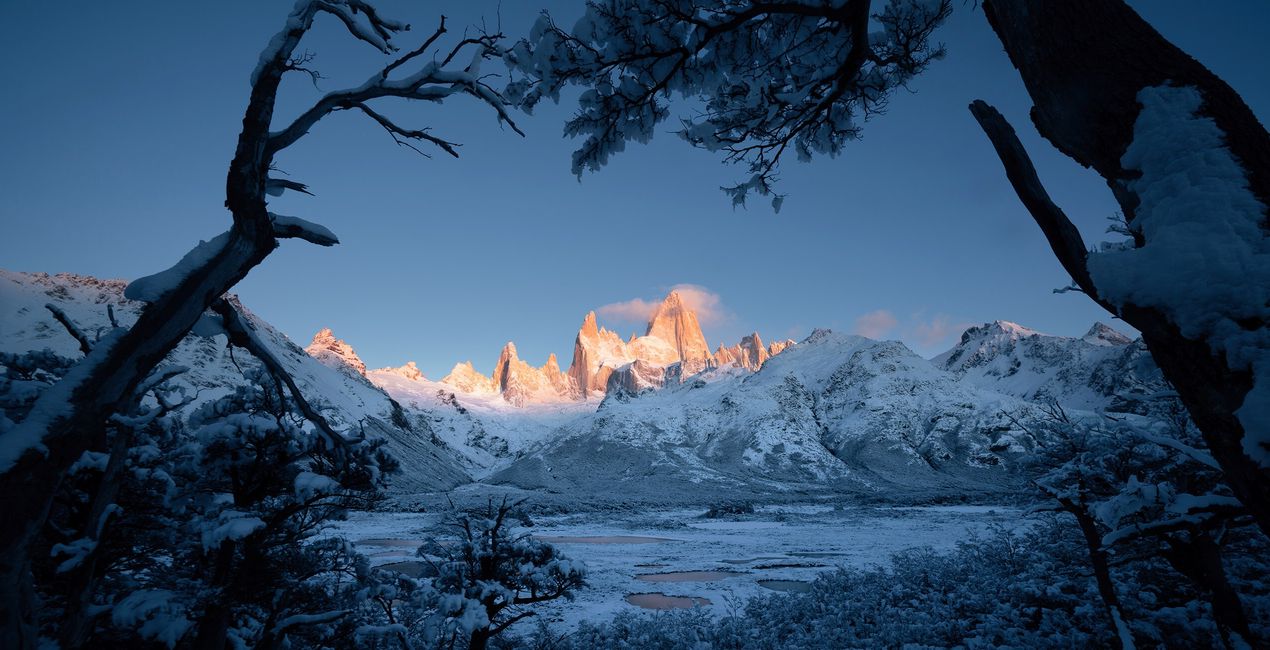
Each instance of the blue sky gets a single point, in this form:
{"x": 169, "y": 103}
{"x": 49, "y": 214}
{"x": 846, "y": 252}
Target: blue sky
{"x": 121, "y": 118}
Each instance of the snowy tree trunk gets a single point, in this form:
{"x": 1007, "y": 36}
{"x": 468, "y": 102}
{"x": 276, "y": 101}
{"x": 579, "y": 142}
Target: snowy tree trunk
{"x": 1084, "y": 63}
{"x": 1102, "y": 571}
{"x": 64, "y": 418}
{"x": 36, "y": 454}
{"x": 1199, "y": 558}
{"x": 77, "y": 621}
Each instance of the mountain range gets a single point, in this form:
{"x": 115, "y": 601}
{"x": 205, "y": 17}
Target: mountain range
{"x": 661, "y": 417}
{"x": 672, "y": 348}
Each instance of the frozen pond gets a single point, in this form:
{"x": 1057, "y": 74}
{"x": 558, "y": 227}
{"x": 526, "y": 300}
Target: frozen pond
{"x": 662, "y": 601}
{"x": 601, "y": 539}
{"x": 688, "y": 576}
{"x": 791, "y": 586}
{"x": 695, "y": 562}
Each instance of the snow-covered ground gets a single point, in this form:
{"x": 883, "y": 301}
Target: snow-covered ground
{"x": 782, "y": 543}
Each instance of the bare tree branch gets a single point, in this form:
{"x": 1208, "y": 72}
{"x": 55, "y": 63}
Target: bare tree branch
{"x": 242, "y": 334}
{"x": 1064, "y": 238}
{"x": 415, "y": 134}
{"x": 84, "y": 345}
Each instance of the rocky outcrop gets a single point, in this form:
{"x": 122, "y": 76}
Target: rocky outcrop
{"x": 521, "y": 383}
{"x": 596, "y": 353}
{"x": 673, "y": 336}
{"x": 334, "y": 353}
{"x": 1102, "y": 334}
{"x": 637, "y": 377}
{"x": 724, "y": 357}
{"x": 753, "y": 354}
{"x": 672, "y": 348}
{"x": 749, "y": 353}
{"x": 777, "y": 347}
{"x": 676, "y": 324}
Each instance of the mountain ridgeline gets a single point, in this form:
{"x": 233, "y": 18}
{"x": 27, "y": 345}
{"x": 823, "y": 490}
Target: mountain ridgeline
{"x": 671, "y": 349}
{"x": 661, "y": 417}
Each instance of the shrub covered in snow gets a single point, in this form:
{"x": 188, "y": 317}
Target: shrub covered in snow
{"x": 728, "y": 509}
{"x": 478, "y": 582}
{"x": 189, "y": 522}
{"x": 1030, "y": 590}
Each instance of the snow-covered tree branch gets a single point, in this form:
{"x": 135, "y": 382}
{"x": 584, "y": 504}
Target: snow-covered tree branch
{"x": 769, "y": 77}
{"x": 62, "y": 423}
{"x": 1189, "y": 164}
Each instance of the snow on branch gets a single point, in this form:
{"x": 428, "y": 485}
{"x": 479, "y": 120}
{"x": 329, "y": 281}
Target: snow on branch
{"x": 243, "y": 334}
{"x": 376, "y": 30}
{"x": 151, "y": 287}
{"x": 75, "y": 332}
{"x": 295, "y": 227}
{"x": 772, "y": 77}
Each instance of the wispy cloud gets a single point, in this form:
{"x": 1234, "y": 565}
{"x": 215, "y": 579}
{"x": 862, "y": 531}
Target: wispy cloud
{"x": 707, "y": 305}
{"x": 934, "y": 331}
{"x": 875, "y": 324}
{"x": 628, "y": 311}
{"x": 921, "y": 332}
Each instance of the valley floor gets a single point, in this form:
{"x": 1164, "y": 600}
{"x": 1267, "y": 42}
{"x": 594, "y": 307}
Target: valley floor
{"x": 634, "y": 558}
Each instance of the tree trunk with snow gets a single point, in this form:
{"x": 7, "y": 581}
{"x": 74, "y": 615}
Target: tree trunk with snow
{"x": 36, "y": 454}
{"x": 1085, "y": 64}
{"x": 1198, "y": 556}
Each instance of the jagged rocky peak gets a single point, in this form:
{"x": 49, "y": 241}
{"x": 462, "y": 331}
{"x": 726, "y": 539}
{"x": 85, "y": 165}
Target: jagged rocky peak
{"x": 724, "y": 357}
{"x": 637, "y": 377}
{"x": 595, "y": 349}
{"x": 777, "y": 347}
{"x": 818, "y": 334}
{"x": 1102, "y": 334}
{"x": 334, "y": 352}
{"x": 507, "y": 360}
{"x": 672, "y": 349}
{"x": 1000, "y": 329}
{"x": 753, "y": 354}
{"x": 676, "y": 324}
{"x": 520, "y": 383}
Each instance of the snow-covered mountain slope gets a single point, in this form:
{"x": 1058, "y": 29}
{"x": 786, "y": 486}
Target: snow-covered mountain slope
{"x": 832, "y": 413}
{"x": 1103, "y": 369}
{"x": 481, "y": 427}
{"x": 345, "y": 398}
{"x": 835, "y": 411}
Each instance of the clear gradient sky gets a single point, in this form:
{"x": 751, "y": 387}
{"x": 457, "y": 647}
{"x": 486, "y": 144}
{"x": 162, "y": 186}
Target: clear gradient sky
{"x": 120, "y": 118}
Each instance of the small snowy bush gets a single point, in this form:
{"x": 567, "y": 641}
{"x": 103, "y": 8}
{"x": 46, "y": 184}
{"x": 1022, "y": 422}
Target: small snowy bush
{"x": 478, "y": 582}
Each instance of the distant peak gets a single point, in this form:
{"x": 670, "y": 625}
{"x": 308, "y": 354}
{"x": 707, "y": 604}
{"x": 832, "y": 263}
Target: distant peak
{"x": 409, "y": 371}
{"x": 817, "y": 335}
{"x": 1013, "y": 328}
{"x": 1103, "y": 334}
{"x": 998, "y": 329}
{"x": 589, "y": 327}
{"x": 334, "y": 353}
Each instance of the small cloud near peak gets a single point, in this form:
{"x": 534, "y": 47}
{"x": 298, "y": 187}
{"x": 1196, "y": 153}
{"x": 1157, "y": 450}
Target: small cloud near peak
{"x": 875, "y": 324}
{"x": 705, "y": 303}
